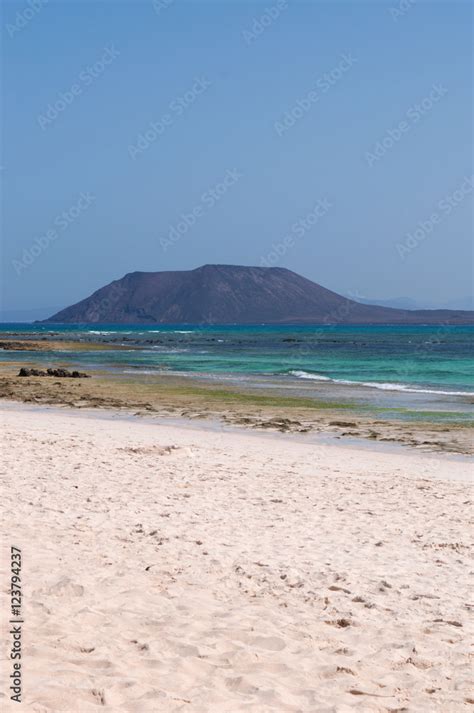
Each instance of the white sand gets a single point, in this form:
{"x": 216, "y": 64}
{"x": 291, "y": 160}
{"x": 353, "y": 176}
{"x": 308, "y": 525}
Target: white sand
{"x": 169, "y": 569}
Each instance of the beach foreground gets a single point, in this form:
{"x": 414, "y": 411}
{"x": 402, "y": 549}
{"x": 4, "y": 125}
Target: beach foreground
{"x": 172, "y": 569}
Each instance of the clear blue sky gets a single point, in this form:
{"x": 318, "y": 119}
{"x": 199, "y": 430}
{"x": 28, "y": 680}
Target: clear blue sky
{"x": 217, "y": 79}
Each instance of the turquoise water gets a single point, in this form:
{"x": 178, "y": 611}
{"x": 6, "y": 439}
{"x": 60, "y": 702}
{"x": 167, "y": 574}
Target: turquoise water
{"x": 358, "y": 360}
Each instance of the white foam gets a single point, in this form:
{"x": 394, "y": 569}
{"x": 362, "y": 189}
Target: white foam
{"x": 143, "y": 371}
{"x": 307, "y": 375}
{"x": 380, "y": 385}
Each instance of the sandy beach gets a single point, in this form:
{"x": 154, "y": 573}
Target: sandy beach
{"x": 237, "y": 357}
{"x": 169, "y": 568}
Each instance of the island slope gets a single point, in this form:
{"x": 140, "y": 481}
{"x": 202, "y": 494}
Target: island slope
{"x": 232, "y": 294}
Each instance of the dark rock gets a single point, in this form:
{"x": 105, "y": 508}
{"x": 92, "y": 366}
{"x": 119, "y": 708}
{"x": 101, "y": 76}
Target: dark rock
{"x": 31, "y": 372}
{"x": 62, "y": 373}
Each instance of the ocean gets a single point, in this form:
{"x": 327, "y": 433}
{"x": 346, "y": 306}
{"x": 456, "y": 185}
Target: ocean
{"x": 399, "y": 367}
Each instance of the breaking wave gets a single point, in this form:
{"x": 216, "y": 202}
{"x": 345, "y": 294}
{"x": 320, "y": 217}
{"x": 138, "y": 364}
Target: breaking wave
{"x": 378, "y": 385}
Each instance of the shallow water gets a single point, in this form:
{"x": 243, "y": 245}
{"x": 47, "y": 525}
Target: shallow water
{"x": 421, "y": 368}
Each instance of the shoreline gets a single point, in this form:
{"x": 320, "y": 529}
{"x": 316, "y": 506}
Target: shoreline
{"x": 263, "y": 409}
{"x": 216, "y": 426}
{"x": 296, "y": 378}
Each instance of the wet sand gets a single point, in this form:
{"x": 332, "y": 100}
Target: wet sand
{"x": 168, "y": 395}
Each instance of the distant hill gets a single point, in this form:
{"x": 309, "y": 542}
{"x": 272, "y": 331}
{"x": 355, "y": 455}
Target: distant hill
{"x": 396, "y": 303}
{"x": 461, "y": 303}
{"x": 231, "y": 294}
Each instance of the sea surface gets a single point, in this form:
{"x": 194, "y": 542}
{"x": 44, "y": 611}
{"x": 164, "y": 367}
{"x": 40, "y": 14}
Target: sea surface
{"x": 420, "y": 368}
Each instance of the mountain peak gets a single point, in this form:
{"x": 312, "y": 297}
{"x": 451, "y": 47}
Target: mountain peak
{"x": 234, "y": 294}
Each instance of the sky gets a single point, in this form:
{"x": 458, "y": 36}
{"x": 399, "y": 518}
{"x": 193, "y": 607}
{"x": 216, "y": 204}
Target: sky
{"x": 331, "y": 138}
